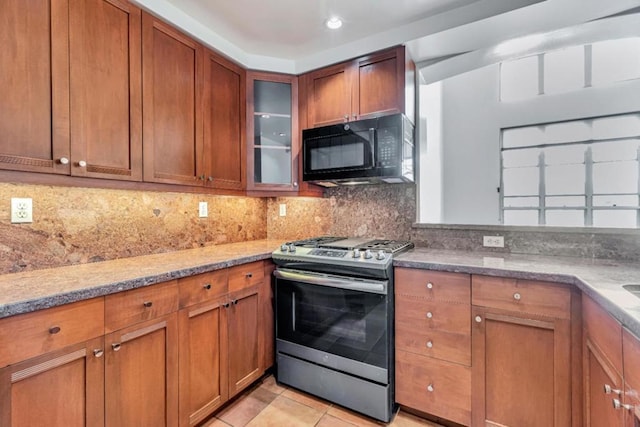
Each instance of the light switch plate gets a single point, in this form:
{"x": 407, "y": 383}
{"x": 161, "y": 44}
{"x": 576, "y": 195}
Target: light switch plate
{"x": 21, "y": 210}
{"x": 203, "y": 210}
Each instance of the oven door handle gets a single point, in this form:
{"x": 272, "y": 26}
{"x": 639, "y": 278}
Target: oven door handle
{"x": 377, "y": 287}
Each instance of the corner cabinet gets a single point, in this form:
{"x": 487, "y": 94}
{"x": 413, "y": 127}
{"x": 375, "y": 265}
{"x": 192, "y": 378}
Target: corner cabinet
{"x": 377, "y": 84}
{"x": 272, "y": 126}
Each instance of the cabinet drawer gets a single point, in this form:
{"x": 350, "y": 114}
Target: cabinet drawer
{"x": 130, "y": 307}
{"x": 245, "y": 275}
{"x": 441, "y": 345}
{"x": 603, "y": 330}
{"x": 522, "y": 296}
{"x": 202, "y": 287}
{"x": 433, "y": 285}
{"x": 423, "y": 315}
{"x": 429, "y": 385}
{"x": 32, "y": 334}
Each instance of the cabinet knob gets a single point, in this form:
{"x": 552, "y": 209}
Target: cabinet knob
{"x": 429, "y": 285}
{"x": 517, "y": 296}
{"x": 54, "y": 330}
{"x": 608, "y": 390}
{"x": 82, "y": 164}
{"x": 201, "y": 177}
{"x": 147, "y": 304}
{"x": 430, "y": 388}
{"x": 234, "y": 302}
{"x": 478, "y": 319}
{"x": 429, "y": 344}
{"x": 355, "y": 116}
{"x": 249, "y": 275}
{"x": 207, "y": 286}
{"x": 116, "y": 346}
{"x": 210, "y": 179}
{"x": 225, "y": 305}
{"x": 98, "y": 352}
{"x": 346, "y": 117}
{"x": 429, "y": 315}
{"x": 64, "y": 161}
{"x": 295, "y": 183}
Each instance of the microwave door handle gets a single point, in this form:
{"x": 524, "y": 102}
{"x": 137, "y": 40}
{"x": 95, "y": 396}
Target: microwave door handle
{"x": 372, "y": 144}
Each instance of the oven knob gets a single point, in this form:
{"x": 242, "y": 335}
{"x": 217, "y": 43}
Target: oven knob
{"x": 368, "y": 254}
{"x": 284, "y": 248}
{"x": 292, "y": 247}
{"x": 356, "y": 253}
{"x": 380, "y": 255}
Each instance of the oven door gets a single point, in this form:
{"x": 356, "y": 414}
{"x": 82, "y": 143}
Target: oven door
{"x": 335, "y": 321}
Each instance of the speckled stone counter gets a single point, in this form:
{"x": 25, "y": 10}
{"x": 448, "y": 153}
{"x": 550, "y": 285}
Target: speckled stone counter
{"x": 600, "y": 279}
{"x": 34, "y": 290}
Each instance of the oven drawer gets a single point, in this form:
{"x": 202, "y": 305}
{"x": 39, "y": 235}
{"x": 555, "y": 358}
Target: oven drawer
{"x": 246, "y": 275}
{"x": 441, "y": 345}
{"x": 429, "y": 385}
{"x": 522, "y": 296}
{"x": 429, "y": 315}
{"x": 433, "y": 285}
{"x": 202, "y": 287}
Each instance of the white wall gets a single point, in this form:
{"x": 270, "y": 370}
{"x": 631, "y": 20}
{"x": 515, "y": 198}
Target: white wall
{"x": 472, "y": 118}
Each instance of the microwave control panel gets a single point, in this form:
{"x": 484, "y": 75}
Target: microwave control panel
{"x": 387, "y": 148}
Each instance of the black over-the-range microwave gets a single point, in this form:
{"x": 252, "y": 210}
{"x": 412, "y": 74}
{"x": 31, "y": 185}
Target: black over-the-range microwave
{"x": 369, "y": 151}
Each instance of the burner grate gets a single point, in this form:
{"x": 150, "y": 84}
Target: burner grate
{"x": 391, "y": 246}
{"x": 315, "y": 242}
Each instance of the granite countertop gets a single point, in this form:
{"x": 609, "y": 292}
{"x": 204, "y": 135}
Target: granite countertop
{"x": 601, "y": 279}
{"x": 34, "y": 290}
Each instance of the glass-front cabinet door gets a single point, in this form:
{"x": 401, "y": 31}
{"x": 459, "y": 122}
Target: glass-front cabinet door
{"x": 272, "y": 122}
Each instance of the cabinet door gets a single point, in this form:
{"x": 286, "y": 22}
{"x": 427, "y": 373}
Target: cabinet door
{"x": 380, "y": 85}
{"x": 599, "y": 374}
{"x": 631, "y": 355}
{"x": 521, "y": 371}
{"x": 329, "y": 93}
{"x": 34, "y": 65}
{"x": 106, "y": 91}
{"x": 64, "y": 388}
{"x": 172, "y": 107}
{"x": 224, "y": 126}
{"x": 141, "y": 374}
{"x": 272, "y": 126}
{"x": 243, "y": 327}
{"x": 203, "y": 379}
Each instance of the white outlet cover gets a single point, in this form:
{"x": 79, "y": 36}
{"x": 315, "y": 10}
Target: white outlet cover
{"x": 21, "y": 210}
{"x": 283, "y": 209}
{"x": 203, "y": 210}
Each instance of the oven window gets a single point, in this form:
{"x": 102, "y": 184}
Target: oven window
{"x": 340, "y": 152}
{"x": 347, "y": 323}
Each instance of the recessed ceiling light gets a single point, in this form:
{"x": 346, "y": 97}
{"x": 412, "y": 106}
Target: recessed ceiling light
{"x": 333, "y": 23}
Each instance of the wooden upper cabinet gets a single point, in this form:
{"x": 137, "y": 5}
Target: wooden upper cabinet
{"x": 34, "y": 64}
{"x": 224, "y": 123}
{"x": 329, "y": 95}
{"x": 370, "y": 86}
{"x": 106, "y": 89}
{"x": 172, "y": 105}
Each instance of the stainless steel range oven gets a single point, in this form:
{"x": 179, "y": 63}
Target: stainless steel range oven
{"x": 334, "y": 320}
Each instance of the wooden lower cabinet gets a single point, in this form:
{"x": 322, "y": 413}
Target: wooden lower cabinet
{"x": 61, "y": 388}
{"x": 141, "y": 374}
{"x": 631, "y": 367}
{"x": 434, "y": 386}
{"x": 599, "y": 373}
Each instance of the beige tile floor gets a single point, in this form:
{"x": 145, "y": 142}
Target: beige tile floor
{"x": 268, "y": 404}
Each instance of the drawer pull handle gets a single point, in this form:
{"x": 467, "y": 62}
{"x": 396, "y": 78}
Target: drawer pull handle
{"x": 478, "y": 319}
{"x": 54, "y": 330}
{"x": 429, "y": 315}
{"x": 619, "y": 405}
{"x": 608, "y": 390}
{"x": 147, "y": 304}
{"x": 98, "y": 352}
{"x": 116, "y": 346}
{"x": 207, "y": 286}
{"x": 517, "y": 296}
{"x": 429, "y": 344}
{"x": 249, "y": 275}
{"x": 430, "y": 388}
{"x": 429, "y": 285}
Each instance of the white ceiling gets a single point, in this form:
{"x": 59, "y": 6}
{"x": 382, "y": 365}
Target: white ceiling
{"x": 289, "y": 35}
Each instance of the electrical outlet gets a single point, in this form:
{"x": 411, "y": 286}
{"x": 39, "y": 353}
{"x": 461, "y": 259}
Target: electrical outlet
{"x": 283, "y": 209}
{"x": 21, "y": 210}
{"x": 493, "y": 241}
{"x": 203, "y": 210}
